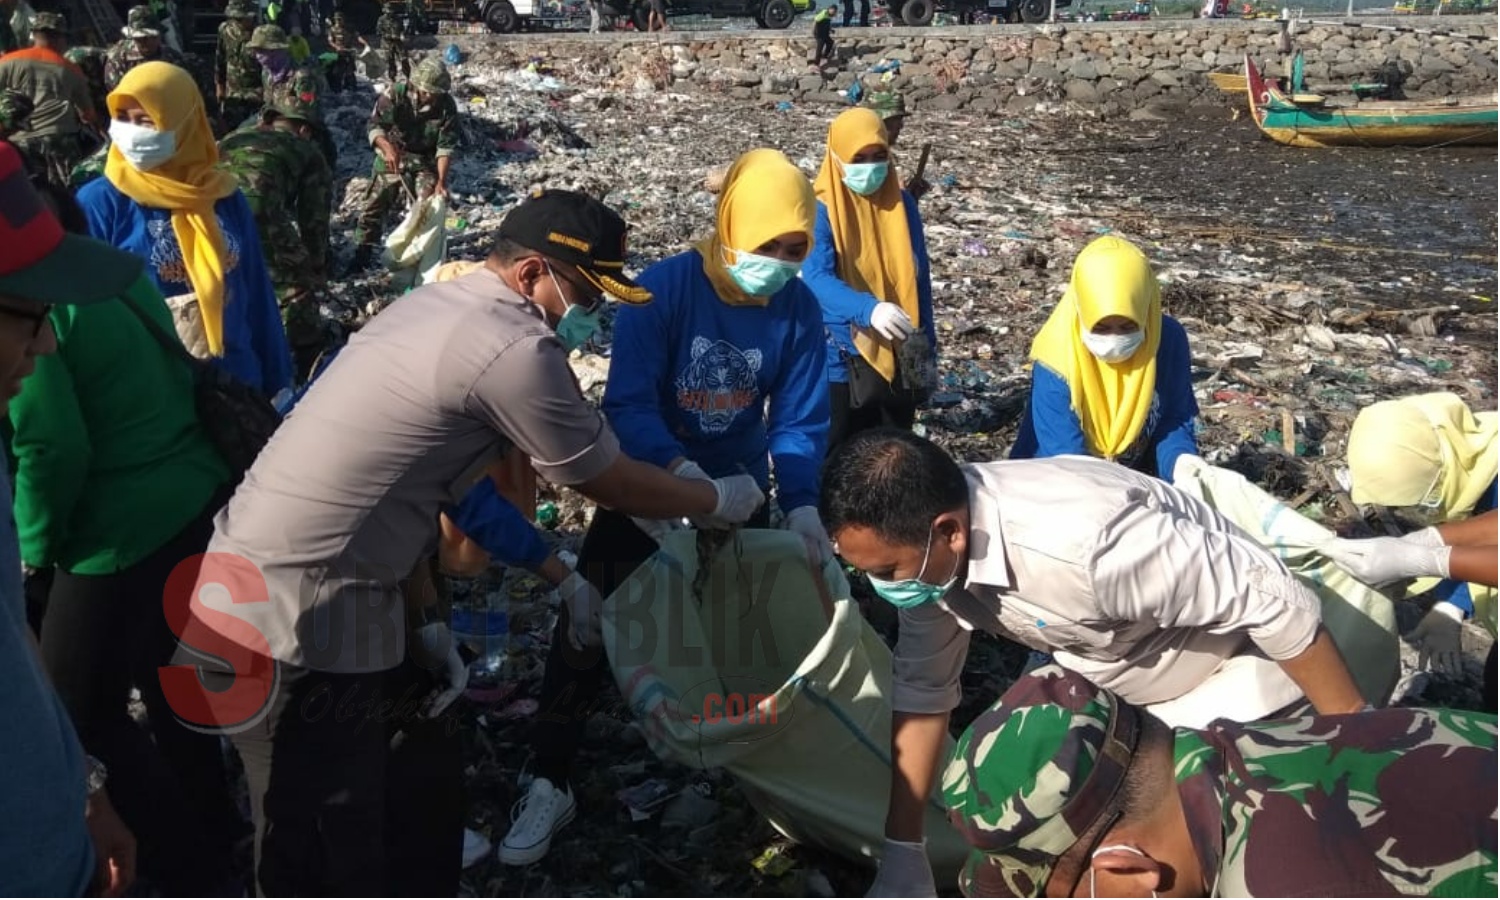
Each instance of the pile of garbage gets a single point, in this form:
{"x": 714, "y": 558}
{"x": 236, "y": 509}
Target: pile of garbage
{"x": 1310, "y": 284}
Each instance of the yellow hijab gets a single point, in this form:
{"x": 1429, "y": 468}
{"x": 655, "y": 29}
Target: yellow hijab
{"x": 869, "y": 233}
{"x": 189, "y": 184}
{"x": 1400, "y": 450}
{"x": 1111, "y": 277}
{"x": 764, "y": 196}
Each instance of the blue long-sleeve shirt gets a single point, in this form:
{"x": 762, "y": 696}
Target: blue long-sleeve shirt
{"x": 1051, "y": 427}
{"x": 729, "y": 387}
{"x": 844, "y": 306}
{"x": 255, "y": 346}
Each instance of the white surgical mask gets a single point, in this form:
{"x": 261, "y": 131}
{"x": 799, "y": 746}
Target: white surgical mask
{"x": 1106, "y": 849}
{"x": 1113, "y": 348}
{"x": 144, "y": 148}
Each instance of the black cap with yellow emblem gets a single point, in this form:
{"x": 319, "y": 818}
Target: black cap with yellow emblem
{"x": 576, "y": 229}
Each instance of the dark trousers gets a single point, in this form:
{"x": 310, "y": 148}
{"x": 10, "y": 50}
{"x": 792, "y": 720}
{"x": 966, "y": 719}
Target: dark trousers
{"x": 103, "y": 635}
{"x": 612, "y": 549}
{"x": 352, "y": 791}
{"x": 823, "y": 42}
{"x": 864, "y": 13}
{"x": 845, "y": 421}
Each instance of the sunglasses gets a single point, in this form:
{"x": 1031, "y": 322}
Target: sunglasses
{"x": 37, "y": 317}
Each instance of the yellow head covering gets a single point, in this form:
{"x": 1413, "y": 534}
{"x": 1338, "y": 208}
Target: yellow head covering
{"x": 1111, "y": 277}
{"x": 1402, "y": 450}
{"x": 764, "y": 196}
{"x": 188, "y": 184}
{"x": 870, "y": 233}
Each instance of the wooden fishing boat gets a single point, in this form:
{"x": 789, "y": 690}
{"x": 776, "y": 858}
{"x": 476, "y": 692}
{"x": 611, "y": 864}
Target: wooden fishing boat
{"x": 1308, "y": 120}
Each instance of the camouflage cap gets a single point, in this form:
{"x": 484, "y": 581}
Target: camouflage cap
{"x": 299, "y": 107}
{"x": 241, "y": 9}
{"x": 1032, "y": 775}
{"x": 431, "y": 75}
{"x": 49, "y": 21}
{"x": 141, "y": 22}
{"x": 268, "y": 37}
{"x": 887, "y": 104}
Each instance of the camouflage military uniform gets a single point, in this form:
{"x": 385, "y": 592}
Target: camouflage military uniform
{"x": 302, "y": 86}
{"x": 122, "y": 56}
{"x": 1381, "y": 803}
{"x": 90, "y": 61}
{"x": 392, "y": 34}
{"x": 422, "y": 135}
{"x": 236, "y": 73}
{"x": 290, "y": 189}
{"x": 15, "y": 109}
{"x": 92, "y": 167}
{"x": 343, "y": 41}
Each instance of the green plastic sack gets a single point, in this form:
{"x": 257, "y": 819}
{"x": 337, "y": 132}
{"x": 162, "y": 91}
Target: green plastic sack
{"x": 1360, "y": 619}
{"x": 776, "y": 678}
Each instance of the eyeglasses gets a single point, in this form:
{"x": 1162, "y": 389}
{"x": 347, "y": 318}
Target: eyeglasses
{"x": 37, "y": 317}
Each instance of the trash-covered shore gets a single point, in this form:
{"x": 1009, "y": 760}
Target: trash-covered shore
{"x": 1311, "y": 283}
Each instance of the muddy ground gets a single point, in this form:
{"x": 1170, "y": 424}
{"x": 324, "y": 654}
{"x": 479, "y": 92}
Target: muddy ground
{"x": 1310, "y": 283}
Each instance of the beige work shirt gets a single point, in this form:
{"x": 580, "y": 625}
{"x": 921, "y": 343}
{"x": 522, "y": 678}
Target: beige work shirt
{"x": 1132, "y": 583}
{"x": 344, "y": 500}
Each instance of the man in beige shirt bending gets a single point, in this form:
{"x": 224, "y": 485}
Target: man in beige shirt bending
{"x": 1137, "y": 586}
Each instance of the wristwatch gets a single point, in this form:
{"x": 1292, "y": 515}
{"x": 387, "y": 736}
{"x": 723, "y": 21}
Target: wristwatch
{"x": 97, "y": 774}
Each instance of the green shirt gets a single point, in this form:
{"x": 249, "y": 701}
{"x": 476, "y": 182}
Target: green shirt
{"x": 111, "y": 460}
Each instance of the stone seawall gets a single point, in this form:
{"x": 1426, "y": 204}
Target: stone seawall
{"x": 1108, "y": 67}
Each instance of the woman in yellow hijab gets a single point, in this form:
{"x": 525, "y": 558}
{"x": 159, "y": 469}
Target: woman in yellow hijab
{"x": 1111, "y": 375}
{"x": 1433, "y": 454}
{"x": 722, "y": 372}
{"x": 870, "y": 272}
{"x": 164, "y": 198}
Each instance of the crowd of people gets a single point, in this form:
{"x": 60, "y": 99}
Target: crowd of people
{"x": 1196, "y": 712}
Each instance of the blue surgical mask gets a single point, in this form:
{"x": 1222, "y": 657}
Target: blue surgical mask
{"x": 865, "y": 178}
{"x": 912, "y": 592}
{"x": 761, "y": 276}
{"x": 577, "y": 324}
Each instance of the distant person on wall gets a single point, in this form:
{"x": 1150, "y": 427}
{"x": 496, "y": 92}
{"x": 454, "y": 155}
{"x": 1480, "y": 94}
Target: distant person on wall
{"x": 823, "y": 36}
{"x": 864, "y": 13}
{"x": 657, "y": 19}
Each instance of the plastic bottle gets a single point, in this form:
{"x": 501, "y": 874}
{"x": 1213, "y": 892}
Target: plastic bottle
{"x": 486, "y": 632}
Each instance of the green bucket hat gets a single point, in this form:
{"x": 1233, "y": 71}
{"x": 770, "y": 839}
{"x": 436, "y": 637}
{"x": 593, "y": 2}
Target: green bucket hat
{"x": 1033, "y": 774}
{"x": 268, "y": 37}
{"x": 49, "y": 21}
{"x": 141, "y": 22}
{"x": 887, "y": 104}
{"x": 241, "y": 9}
{"x": 431, "y": 75}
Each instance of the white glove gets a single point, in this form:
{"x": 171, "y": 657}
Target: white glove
{"x": 438, "y": 642}
{"x": 891, "y": 322}
{"x": 1385, "y": 559}
{"x": 739, "y": 498}
{"x": 657, "y": 529}
{"x": 1437, "y": 639}
{"x": 904, "y": 871}
{"x": 584, "y": 607}
{"x": 804, "y": 520}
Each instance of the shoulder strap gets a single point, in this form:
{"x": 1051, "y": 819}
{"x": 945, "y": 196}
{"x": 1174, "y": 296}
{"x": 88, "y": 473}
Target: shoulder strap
{"x": 170, "y": 342}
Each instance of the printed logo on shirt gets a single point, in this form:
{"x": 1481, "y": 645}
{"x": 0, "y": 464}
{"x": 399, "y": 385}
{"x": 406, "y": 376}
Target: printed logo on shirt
{"x": 166, "y": 253}
{"x": 719, "y": 383}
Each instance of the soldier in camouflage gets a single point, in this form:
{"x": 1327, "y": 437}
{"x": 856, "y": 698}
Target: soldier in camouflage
{"x": 237, "y": 76}
{"x": 414, "y": 130}
{"x": 285, "y": 83}
{"x": 90, "y": 61}
{"x": 290, "y": 189}
{"x": 1062, "y": 782}
{"x": 140, "y": 41}
{"x": 344, "y": 41}
{"x": 62, "y": 111}
{"x": 391, "y": 28}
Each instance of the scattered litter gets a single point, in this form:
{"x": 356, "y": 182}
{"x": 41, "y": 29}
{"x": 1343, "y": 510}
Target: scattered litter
{"x": 774, "y": 862}
{"x": 645, "y": 798}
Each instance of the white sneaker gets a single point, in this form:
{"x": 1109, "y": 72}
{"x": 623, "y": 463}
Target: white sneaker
{"x": 535, "y": 818}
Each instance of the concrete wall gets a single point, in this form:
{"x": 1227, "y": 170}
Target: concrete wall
{"x": 1109, "y": 67}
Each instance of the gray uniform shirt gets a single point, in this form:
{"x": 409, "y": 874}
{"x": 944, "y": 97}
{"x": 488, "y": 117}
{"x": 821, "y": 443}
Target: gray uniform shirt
{"x": 1126, "y": 580}
{"x": 344, "y": 501}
